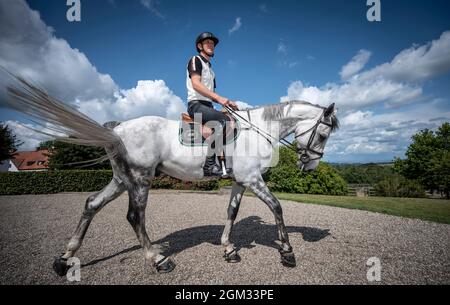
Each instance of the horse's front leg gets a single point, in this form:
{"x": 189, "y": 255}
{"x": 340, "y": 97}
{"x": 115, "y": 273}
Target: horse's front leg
{"x": 260, "y": 189}
{"x": 231, "y": 254}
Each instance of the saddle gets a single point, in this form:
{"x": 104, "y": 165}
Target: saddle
{"x": 193, "y": 133}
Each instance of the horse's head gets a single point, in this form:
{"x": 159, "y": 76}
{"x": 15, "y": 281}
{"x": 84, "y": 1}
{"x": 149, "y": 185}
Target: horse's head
{"x": 311, "y": 142}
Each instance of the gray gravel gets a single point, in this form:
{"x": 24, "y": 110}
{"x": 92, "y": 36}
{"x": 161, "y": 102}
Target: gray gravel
{"x": 332, "y": 245}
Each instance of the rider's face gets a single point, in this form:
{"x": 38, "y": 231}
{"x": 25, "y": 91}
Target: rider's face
{"x": 208, "y": 46}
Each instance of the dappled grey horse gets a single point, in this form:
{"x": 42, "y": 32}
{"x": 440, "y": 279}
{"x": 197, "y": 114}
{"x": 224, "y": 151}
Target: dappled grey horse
{"x": 140, "y": 147}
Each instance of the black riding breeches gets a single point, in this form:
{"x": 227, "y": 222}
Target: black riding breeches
{"x": 209, "y": 114}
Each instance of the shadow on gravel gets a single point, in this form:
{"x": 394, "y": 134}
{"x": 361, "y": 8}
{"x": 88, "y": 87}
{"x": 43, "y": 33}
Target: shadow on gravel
{"x": 96, "y": 261}
{"x": 245, "y": 234}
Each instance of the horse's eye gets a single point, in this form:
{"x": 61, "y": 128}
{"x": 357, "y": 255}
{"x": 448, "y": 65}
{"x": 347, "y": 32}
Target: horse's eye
{"x": 322, "y": 138}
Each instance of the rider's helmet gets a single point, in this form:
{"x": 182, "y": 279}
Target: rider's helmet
{"x": 203, "y": 36}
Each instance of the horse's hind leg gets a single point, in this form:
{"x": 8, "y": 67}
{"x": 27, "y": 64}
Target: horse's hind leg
{"x": 231, "y": 254}
{"x": 93, "y": 205}
{"x": 136, "y": 216}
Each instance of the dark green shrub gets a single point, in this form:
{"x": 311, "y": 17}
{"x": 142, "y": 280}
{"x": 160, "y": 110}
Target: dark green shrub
{"x": 399, "y": 186}
{"x": 287, "y": 177}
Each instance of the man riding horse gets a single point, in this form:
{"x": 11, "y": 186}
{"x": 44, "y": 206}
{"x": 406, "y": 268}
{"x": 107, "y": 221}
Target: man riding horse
{"x": 201, "y": 84}
{"x": 141, "y": 147}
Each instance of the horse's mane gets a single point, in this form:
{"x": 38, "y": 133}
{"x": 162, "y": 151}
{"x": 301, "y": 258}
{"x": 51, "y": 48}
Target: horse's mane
{"x": 277, "y": 111}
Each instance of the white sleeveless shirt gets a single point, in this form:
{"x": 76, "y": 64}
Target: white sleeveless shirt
{"x": 198, "y": 66}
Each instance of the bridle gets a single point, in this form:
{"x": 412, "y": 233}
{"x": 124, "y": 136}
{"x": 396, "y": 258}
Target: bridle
{"x": 303, "y": 152}
{"x": 304, "y": 157}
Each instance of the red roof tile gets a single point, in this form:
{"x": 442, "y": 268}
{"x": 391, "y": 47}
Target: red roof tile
{"x": 31, "y": 160}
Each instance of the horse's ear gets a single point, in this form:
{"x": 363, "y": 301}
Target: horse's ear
{"x": 329, "y": 110}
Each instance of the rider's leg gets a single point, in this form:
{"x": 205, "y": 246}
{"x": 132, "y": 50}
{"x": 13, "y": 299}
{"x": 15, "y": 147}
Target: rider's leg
{"x": 217, "y": 121}
{"x": 219, "y": 125}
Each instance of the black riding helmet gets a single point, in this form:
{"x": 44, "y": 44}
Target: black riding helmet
{"x": 203, "y": 36}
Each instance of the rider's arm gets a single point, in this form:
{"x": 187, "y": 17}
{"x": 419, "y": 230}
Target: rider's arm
{"x": 200, "y": 88}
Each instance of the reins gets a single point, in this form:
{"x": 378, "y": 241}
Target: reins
{"x": 304, "y": 157}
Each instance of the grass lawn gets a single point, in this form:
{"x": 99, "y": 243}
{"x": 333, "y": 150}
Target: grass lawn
{"x": 420, "y": 208}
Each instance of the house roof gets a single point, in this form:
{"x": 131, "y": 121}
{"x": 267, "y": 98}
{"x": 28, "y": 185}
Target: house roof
{"x": 31, "y": 160}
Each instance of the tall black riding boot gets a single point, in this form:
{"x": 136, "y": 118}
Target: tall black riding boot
{"x": 211, "y": 168}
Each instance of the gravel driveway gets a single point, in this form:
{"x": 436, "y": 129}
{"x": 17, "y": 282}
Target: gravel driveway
{"x": 332, "y": 245}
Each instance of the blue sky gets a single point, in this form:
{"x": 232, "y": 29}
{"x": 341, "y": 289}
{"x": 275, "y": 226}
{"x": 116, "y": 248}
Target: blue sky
{"x": 278, "y": 50}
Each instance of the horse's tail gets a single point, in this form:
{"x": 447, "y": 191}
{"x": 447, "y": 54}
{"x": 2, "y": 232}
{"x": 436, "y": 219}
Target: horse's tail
{"x": 78, "y": 128}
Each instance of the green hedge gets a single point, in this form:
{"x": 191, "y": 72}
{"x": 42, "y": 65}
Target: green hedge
{"x": 49, "y": 182}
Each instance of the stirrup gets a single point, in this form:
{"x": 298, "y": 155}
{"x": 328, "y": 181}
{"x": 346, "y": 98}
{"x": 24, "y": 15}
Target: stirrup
{"x": 227, "y": 172}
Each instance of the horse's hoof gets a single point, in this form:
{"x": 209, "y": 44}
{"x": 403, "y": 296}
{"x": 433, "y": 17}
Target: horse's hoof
{"x": 232, "y": 256}
{"x": 288, "y": 259}
{"x": 165, "y": 265}
{"x": 60, "y": 266}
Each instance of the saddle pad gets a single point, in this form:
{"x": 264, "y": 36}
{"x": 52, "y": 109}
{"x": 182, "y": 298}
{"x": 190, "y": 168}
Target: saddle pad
{"x": 189, "y": 134}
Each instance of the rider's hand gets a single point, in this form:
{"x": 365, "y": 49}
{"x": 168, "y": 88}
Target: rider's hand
{"x": 223, "y": 101}
{"x": 226, "y": 102}
{"x": 232, "y": 105}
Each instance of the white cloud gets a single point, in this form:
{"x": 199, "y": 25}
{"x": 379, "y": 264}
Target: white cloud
{"x": 283, "y": 59}
{"x": 365, "y": 132}
{"x": 237, "y": 25}
{"x": 357, "y": 118}
{"x": 356, "y": 64}
{"x": 147, "y": 98}
{"x": 356, "y": 93}
{"x": 243, "y": 105}
{"x": 282, "y": 48}
{"x": 393, "y": 85}
{"x": 151, "y": 6}
{"x": 263, "y": 8}
{"x": 24, "y": 133}
{"x": 293, "y": 64}
{"x": 417, "y": 63}
{"x": 29, "y": 48}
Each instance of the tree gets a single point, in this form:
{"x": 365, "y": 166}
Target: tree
{"x": 440, "y": 166}
{"x": 8, "y": 143}
{"x": 287, "y": 177}
{"x": 398, "y": 186}
{"x": 427, "y": 159}
{"x": 364, "y": 173}
{"x": 61, "y": 154}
